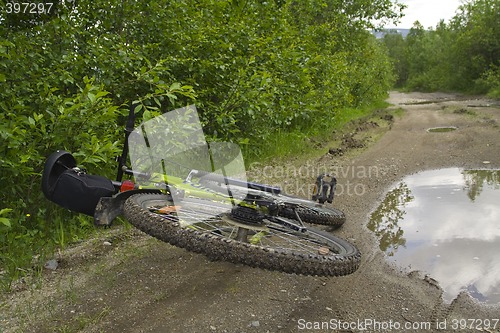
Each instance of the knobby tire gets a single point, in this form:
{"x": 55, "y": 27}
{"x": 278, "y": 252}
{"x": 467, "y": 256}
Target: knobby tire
{"x": 316, "y": 214}
{"x": 280, "y": 248}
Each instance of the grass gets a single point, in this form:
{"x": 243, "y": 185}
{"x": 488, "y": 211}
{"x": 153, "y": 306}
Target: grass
{"x": 26, "y": 247}
{"x": 64, "y": 304}
{"x": 308, "y": 143}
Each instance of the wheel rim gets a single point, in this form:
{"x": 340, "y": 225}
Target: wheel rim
{"x": 215, "y": 219}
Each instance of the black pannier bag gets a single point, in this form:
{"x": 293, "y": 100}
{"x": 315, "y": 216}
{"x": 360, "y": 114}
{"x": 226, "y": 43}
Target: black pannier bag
{"x": 71, "y": 188}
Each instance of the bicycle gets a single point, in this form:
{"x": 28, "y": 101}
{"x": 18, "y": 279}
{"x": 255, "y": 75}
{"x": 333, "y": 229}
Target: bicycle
{"x": 213, "y": 210}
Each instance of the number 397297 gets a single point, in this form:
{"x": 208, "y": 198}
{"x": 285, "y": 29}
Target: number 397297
{"x": 28, "y": 7}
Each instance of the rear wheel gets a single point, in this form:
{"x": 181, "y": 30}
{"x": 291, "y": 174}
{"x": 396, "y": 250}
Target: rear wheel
{"x": 245, "y": 237}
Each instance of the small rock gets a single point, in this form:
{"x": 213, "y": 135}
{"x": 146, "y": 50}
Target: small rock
{"x": 336, "y": 151}
{"x": 255, "y": 323}
{"x": 51, "y": 264}
{"x": 106, "y": 243}
{"x": 213, "y": 328}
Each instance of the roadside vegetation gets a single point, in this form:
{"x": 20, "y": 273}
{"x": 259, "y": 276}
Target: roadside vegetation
{"x": 269, "y": 75}
{"x": 260, "y": 72}
{"x": 462, "y": 55}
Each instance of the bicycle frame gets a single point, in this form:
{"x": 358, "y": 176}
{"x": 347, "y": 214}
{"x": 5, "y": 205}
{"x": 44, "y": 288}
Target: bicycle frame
{"x": 108, "y": 208}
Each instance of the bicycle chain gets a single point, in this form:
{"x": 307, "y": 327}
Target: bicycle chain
{"x": 247, "y": 215}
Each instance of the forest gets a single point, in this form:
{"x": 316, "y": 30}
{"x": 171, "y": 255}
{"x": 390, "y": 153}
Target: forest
{"x": 261, "y": 73}
{"x": 462, "y": 55}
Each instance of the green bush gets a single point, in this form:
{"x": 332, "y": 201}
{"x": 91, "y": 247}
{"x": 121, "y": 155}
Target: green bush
{"x": 255, "y": 68}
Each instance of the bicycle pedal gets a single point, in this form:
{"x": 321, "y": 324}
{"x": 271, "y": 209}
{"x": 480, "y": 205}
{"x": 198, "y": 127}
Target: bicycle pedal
{"x": 324, "y": 191}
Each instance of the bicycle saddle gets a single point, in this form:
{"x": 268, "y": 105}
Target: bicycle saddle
{"x": 55, "y": 165}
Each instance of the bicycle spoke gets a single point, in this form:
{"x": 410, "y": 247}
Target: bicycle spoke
{"x": 277, "y": 236}
{"x": 290, "y": 241}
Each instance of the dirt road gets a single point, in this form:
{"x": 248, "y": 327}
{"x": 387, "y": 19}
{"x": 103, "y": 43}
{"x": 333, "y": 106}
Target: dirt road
{"x": 127, "y": 282}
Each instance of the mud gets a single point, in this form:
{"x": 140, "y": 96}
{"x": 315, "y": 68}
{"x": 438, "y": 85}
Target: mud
{"x": 138, "y": 284}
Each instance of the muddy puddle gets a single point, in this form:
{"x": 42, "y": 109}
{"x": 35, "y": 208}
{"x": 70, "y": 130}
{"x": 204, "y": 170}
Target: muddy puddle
{"x": 446, "y": 224}
{"x": 442, "y": 129}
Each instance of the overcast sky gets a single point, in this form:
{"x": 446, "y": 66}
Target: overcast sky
{"x": 427, "y": 12}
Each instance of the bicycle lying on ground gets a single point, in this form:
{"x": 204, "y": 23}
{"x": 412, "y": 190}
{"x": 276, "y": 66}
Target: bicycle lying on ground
{"x": 195, "y": 195}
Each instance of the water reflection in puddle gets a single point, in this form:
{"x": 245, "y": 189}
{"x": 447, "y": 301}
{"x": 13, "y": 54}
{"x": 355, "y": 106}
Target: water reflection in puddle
{"x": 446, "y": 223}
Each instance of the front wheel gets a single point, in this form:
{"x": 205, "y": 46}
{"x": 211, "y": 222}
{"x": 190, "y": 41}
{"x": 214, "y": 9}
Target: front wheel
{"x": 207, "y": 227}
{"x": 308, "y": 211}
{"x": 316, "y": 213}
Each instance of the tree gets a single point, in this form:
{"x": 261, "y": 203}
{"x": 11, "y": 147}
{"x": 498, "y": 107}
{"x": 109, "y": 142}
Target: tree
{"x": 478, "y": 41}
{"x": 395, "y": 45}
{"x": 463, "y": 55}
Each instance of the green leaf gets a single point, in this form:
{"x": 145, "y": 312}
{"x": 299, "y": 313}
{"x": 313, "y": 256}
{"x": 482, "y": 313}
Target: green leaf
{"x": 5, "y": 221}
{"x": 157, "y": 101}
{"x": 138, "y": 108}
{"x": 102, "y": 94}
{"x": 175, "y": 86}
{"x": 5, "y": 211}
{"x": 172, "y": 98}
{"x": 91, "y": 97}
